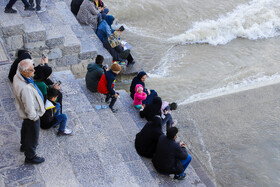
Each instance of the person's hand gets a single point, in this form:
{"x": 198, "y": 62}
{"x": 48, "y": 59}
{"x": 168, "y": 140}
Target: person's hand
{"x": 165, "y": 112}
{"x": 56, "y": 86}
{"x": 149, "y": 91}
{"x": 122, "y": 45}
{"x": 116, "y": 95}
{"x": 44, "y": 60}
{"x": 182, "y": 144}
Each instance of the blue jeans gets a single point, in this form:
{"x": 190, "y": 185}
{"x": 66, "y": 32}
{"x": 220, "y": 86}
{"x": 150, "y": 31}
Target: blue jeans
{"x": 61, "y": 118}
{"x": 186, "y": 163}
{"x": 168, "y": 120}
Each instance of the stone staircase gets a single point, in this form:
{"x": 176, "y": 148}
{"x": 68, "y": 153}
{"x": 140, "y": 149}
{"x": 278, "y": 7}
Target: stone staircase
{"x": 100, "y": 153}
{"x": 56, "y": 33}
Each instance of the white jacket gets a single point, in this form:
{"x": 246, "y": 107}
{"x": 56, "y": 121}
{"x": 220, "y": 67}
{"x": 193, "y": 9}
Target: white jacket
{"x": 29, "y": 103}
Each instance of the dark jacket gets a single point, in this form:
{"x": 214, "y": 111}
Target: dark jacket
{"x": 115, "y": 52}
{"x": 94, "y": 73}
{"x": 48, "y": 119}
{"x": 137, "y": 80}
{"x": 75, "y": 6}
{"x": 22, "y": 54}
{"x": 168, "y": 156}
{"x": 107, "y": 83}
{"x": 146, "y": 140}
{"x": 152, "y": 109}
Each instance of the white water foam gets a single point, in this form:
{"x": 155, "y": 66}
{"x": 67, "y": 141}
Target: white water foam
{"x": 256, "y": 20}
{"x": 248, "y": 83}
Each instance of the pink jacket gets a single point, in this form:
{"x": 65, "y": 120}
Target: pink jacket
{"x": 138, "y": 98}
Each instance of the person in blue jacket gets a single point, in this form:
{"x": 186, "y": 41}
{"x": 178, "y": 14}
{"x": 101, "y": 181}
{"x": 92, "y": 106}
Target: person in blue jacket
{"x": 104, "y": 29}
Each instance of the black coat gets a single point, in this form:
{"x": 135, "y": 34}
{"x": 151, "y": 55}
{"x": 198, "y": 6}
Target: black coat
{"x": 146, "y": 140}
{"x": 137, "y": 80}
{"x": 152, "y": 109}
{"x": 115, "y": 52}
{"x": 168, "y": 156}
{"x": 75, "y": 6}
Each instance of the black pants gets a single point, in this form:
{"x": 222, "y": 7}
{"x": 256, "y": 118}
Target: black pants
{"x": 127, "y": 55}
{"x": 113, "y": 101}
{"x": 12, "y": 2}
{"x": 38, "y": 4}
{"x": 29, "y": 137}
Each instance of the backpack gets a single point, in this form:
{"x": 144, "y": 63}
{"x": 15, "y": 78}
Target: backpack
{"x": 114, "y": 39}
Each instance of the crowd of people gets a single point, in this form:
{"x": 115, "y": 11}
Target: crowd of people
{"x": 39, "y": 99}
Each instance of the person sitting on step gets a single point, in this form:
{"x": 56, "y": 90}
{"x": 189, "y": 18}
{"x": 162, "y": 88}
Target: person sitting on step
{"x": 139, "y": 96}
{"x": 53, "y": 116}
{"x": 171, "y": 157}
{"x": 107, "y": 83}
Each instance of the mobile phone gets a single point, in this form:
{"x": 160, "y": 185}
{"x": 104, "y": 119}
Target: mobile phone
{"x": 43, "y": 56}
{"x": 58, "y": 83}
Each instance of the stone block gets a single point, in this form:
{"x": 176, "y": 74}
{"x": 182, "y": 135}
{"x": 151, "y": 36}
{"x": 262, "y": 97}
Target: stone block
{"x": 79, "y": 70}
{"x": 11, "y": 25}
{"x": 32, "y": 46}
{"x": 14, "y": 42}
{"x": 34, "y": 30}
{"x": 55, "y": 53}
{"x": 54, "y": 38}
{"x": 68, "y": 60}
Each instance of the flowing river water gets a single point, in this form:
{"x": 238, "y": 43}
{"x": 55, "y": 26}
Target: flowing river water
{"x": 195, "y": 49}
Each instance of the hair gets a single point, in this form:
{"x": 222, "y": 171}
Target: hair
{"x": 171, "y": 132}
{"x": 99, "y": 59}
{"x": 25, "y": 64}
{"x": 52, "y": 92}
{"x": 173, "y": 106}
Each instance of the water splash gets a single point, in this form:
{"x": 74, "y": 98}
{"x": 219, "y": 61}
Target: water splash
{"x": 256, "y": 20}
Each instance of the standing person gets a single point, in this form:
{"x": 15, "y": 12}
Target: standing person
{"x": 140, "y": 79}
{"x": 94, "y": 73}
{"x": 139, "y": 96}
{"x": 146, "y": 140}
{"x": 30, "y": 107}
{"x": 107, "y": 83}
{"x": 171, "y": 157}
{"x": 9, "y": 6}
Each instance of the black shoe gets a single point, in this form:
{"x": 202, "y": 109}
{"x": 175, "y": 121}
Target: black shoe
{"x": 35, "y": 160}
{"x": 180, "y": 177}
{"x": 131, "y": 63}
{"x": 10, "y": 10}
{"x": 21, "y": 148}
{"x": 29, "y": 8}
{"x": 114, "y": 110}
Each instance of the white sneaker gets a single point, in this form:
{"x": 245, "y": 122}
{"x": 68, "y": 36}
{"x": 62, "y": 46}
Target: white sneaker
{"x": 65, "y": 132}
{"x": 41, "y": 10}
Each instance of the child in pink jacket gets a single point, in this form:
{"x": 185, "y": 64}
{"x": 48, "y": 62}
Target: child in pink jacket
{"x": 139, "y": 96}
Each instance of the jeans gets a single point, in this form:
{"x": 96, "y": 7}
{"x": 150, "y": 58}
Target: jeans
{"x": 38, "y": 4}
{"x": 61, "y": 118}
{"x": 29, "y": 137}
{"x": 12, "y": 2}
{"x": 168, "y": 120}
{"x": 186, "y": 163}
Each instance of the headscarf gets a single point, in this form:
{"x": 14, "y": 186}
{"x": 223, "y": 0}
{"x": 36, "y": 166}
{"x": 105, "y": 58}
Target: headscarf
{"x": 42, "y": 72}
{"x": 22, "y": 55}
{"x": 137, "y": 80}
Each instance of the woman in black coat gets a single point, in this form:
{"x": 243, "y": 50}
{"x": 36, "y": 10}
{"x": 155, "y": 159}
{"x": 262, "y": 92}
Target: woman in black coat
{"x": 152, "y": 110}
{"x": 146, "y": 140}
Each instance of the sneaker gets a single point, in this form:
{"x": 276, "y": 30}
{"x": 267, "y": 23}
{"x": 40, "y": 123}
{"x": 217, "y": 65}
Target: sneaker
{"x": 41, "y": 10}
{"x": 10, "y": 10}
{"x": 29, "y": 8}
{"x": 114, "y": 110}
{"x": 35, "y": 160}
{"x": 180, "y": 177}
{"x": 65, "y": 132}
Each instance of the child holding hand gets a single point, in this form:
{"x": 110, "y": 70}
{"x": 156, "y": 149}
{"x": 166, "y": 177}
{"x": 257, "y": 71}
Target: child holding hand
{"x": 139, "y": 96}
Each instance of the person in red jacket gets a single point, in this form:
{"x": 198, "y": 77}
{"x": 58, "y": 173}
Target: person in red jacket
{"x": 107, "y": 83}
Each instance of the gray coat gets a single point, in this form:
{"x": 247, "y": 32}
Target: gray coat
{"x": 88, "y": 14}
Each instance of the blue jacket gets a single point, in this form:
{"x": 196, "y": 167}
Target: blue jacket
{"x": 104, "y": 29}
{"x": 110, "y": 77}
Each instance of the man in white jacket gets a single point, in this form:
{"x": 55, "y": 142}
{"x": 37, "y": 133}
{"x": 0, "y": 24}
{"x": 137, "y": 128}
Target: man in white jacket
{"x": 30, "y": 107}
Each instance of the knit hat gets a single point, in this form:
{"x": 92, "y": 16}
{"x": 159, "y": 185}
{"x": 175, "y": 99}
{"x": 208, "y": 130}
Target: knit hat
{"x": 116, "y": 67}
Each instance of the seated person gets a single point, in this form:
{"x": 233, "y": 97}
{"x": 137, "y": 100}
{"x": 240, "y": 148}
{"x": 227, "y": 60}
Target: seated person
{"x": 171, "y": 157}
{"x": 21, "y": 55}
{"x": 152, "y": 110}
{"x": 139, "y": 96}
{"x": 94, "y": 73}
{"x": 107, "y": 83}
{"x": 75, "y": 6}
{"x": 116, "y": 49}
{"x": 102, "y": 9}
{"x": 89, "y": 14}
{"x": 140, "y": 79}
{"x": 104, "y": 29}
{"x": 53, "y": 116}
{"x": 166, "y": 109}
{"x": 146, "y": 140}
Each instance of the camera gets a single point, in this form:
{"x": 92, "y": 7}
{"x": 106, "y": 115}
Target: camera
{"x": 43, "y": 56}
{"x": 121, "y": 28}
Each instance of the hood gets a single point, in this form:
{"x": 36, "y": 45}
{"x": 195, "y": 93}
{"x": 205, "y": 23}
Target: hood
{"x": 156, "y": 121}
{"x": 109, "y": 19}
{"x": 92, "y": 67}
{"x": 141, "y": 74}
{"x": 138, "y": 85}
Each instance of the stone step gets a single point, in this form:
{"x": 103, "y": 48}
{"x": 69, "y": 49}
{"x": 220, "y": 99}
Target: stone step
{"x": 34, "y": 30}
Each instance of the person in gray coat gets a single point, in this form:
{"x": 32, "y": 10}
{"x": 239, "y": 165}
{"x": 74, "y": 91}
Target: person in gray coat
{"x": 89, "y": 14}
{"x": 94, "y": 73}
